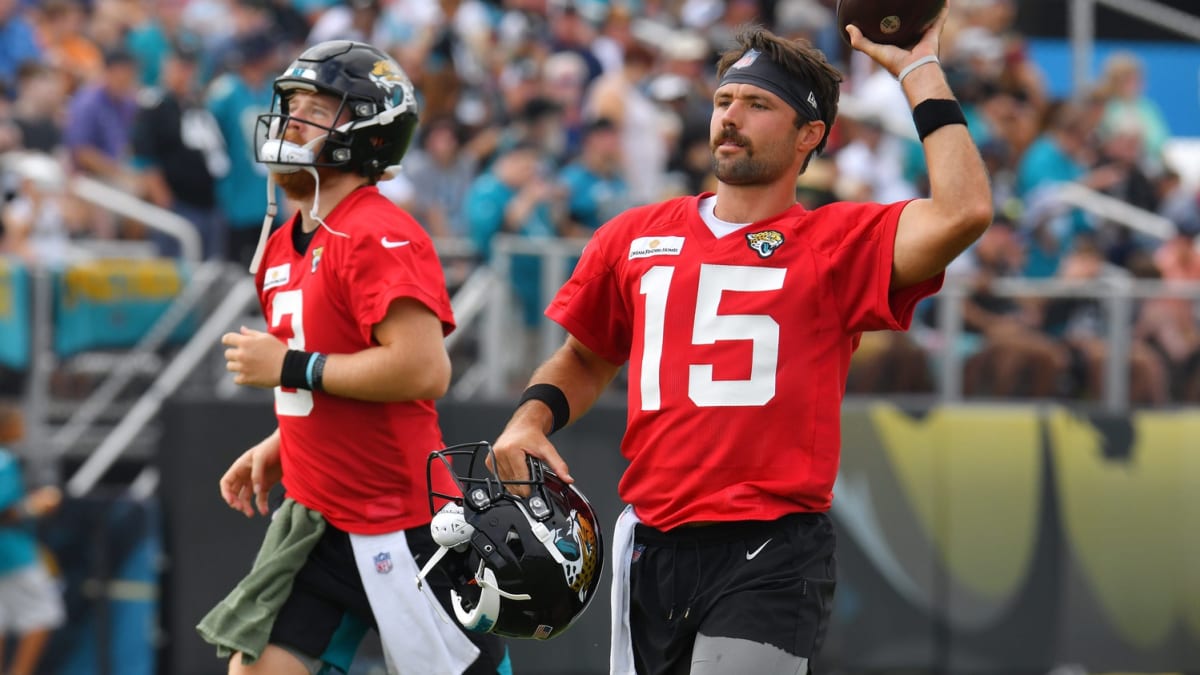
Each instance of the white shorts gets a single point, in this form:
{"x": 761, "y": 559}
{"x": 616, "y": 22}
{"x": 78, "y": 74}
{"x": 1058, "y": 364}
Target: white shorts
{"x": 30, "y": 600}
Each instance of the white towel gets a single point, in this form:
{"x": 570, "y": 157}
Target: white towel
{"x": 620, "y": 659}
{"x": 417, "y": 635}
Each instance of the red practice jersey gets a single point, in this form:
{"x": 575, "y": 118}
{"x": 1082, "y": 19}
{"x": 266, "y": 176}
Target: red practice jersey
{"x": 361, "y": 464}
{"x": 738, "y": 349}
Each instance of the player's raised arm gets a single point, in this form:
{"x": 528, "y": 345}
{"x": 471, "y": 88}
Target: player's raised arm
{"x": 932, "y": 232}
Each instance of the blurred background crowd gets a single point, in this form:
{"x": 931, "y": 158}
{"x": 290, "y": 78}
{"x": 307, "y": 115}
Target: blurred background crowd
{"x": 544, "y": 118}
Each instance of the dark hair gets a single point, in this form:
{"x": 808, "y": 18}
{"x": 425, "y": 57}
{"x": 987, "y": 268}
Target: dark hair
{"x": 800, "y": 59}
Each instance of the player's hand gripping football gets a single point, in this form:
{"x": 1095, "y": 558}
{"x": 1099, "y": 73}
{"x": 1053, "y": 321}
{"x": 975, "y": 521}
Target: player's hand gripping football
{"x": 893, "y": 58}
{"x": 255, "y": 357}
{"x": 250, "y": 478}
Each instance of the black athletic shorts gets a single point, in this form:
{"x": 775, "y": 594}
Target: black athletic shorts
{"x": 766, "y": 581}
{"x": 327, "y": 614}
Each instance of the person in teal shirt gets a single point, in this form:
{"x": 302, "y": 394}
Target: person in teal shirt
{"x": 31, "y": 606}
{"x": 514, "y": 196}
{"x": 236, "y": 99}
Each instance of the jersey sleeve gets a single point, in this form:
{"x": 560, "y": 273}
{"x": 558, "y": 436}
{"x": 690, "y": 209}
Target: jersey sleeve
{"x": 380, "y": 274}
{"x": 590, "y": 305}
{"x": 862, "y": 271}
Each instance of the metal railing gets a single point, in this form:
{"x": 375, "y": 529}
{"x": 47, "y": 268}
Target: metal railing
{"x": 1082, "y": 19}
{"x": 48, "y": 173}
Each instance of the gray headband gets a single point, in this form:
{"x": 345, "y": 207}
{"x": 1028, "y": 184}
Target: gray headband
{"x": 759, "y": 70}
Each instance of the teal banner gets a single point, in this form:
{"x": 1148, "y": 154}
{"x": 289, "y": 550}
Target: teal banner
{"x": 15, "y": 318}
{"x": 111, "y": 304}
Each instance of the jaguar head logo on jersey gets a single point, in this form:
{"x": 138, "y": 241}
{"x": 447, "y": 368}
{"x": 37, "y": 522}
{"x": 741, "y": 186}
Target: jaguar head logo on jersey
{"x": 317, "y": 257}
{"x": 765, "y": 243}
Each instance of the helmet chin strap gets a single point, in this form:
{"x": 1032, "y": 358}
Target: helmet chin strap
{"x": 280, "y": 148}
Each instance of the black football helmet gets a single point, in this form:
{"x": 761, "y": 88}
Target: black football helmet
{"x": 370, "y": 85}
{"x": 522, "y": 567}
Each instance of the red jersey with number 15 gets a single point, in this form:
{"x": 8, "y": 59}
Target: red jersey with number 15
{"x": 361, "y": 464}
{"x": 738, "y": 349}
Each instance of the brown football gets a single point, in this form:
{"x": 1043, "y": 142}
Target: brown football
{"x": 892, "y": 22}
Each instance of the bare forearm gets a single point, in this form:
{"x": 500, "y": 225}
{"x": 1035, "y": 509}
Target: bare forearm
{"x": 958, "y": 180}
{"x": 388, "y": 374}
{"x": 582, "y": 377}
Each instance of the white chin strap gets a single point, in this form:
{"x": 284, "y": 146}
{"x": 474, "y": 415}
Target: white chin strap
{"x": 282, "y": 156}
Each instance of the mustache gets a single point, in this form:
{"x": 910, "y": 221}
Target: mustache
{"x": 731, "y": 135}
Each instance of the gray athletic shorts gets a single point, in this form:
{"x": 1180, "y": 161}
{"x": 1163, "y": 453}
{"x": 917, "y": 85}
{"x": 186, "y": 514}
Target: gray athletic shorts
{"x": 30, "y": 600}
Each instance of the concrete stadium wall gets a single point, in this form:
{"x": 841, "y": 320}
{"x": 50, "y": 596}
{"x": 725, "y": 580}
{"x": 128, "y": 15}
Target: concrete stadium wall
{"x": 971, "y": 540}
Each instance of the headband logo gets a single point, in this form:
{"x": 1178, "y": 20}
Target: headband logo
{"x": 747, "y": 59}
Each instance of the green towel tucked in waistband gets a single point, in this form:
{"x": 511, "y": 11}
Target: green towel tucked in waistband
{"x": 242, "y": 622}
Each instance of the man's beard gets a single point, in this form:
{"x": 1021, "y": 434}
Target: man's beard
{"x": 745, "y": 169}
{"x": 300, "y": 185}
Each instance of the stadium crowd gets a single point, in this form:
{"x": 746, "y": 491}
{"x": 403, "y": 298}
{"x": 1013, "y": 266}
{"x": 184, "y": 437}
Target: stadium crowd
{"x": 543, "y": 118}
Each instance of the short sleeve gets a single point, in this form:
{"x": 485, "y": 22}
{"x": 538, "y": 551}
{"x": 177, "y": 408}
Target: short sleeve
{"x": 386, "y": 268}
{"x": 861, "y": 262}
{"x": 590, "y": 305}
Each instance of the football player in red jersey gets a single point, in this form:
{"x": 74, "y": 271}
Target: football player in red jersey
{"x": 737, "y": 313}
{"x": 356, "y": 310}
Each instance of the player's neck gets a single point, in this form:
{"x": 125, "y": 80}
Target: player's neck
{"x": 334, "y": 189}
{"x": 752, "y": 203}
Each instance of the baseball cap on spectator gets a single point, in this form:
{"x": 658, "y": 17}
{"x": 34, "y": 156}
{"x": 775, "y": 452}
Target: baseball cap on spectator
{"x": 252, "y": 48}
{"x": 185, "y": 51}
{"x": 669, "y": 87}
{"x": 116, "y": 56}
{"x": 686, "y": 45}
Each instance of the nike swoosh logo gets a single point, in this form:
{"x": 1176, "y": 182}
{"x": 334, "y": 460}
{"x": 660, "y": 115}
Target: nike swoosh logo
{"x": 393, "y": 244}
{"x": 751, "y": 555}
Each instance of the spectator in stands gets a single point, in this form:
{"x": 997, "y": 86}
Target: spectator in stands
{"x": 1081, "y": 323}
{"x": 100, "y": 118}
{"x": 595, "y": 188}
{"x": 441, "y": 170}
{"x": 180, "y": 153}
{"x": 871, "y": 162}
{"x": 97, "y": 130}
{"x": 234, "y": 98}
{"x": 38, "y": 108}
{"x": 31, "y": 605}
{"x": 1169, "y": 326}
{"x": 618, "y": 97}
{"x": 62, "y": 31}
{"x": 1008, "y": 355}
{"x": 1128, "y": 106}
{"x": 156, "y": 34}
{"x": 1064, "y": 152}
{"x": 517, "y": 195}
{"x": 39, "y": 219}
{"x": 18, "y": 43}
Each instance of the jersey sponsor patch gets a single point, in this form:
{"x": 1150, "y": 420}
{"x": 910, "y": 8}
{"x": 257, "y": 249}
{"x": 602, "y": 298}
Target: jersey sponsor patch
{"x": 645, "y": 247}
{"x": 765, "y": 242}
{"x": 277, "y": 276}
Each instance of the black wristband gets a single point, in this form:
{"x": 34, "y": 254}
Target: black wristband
{"x": 294, "y": 374}
{"x": 554, "y": 398}
{"x": 934, "y": 113}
